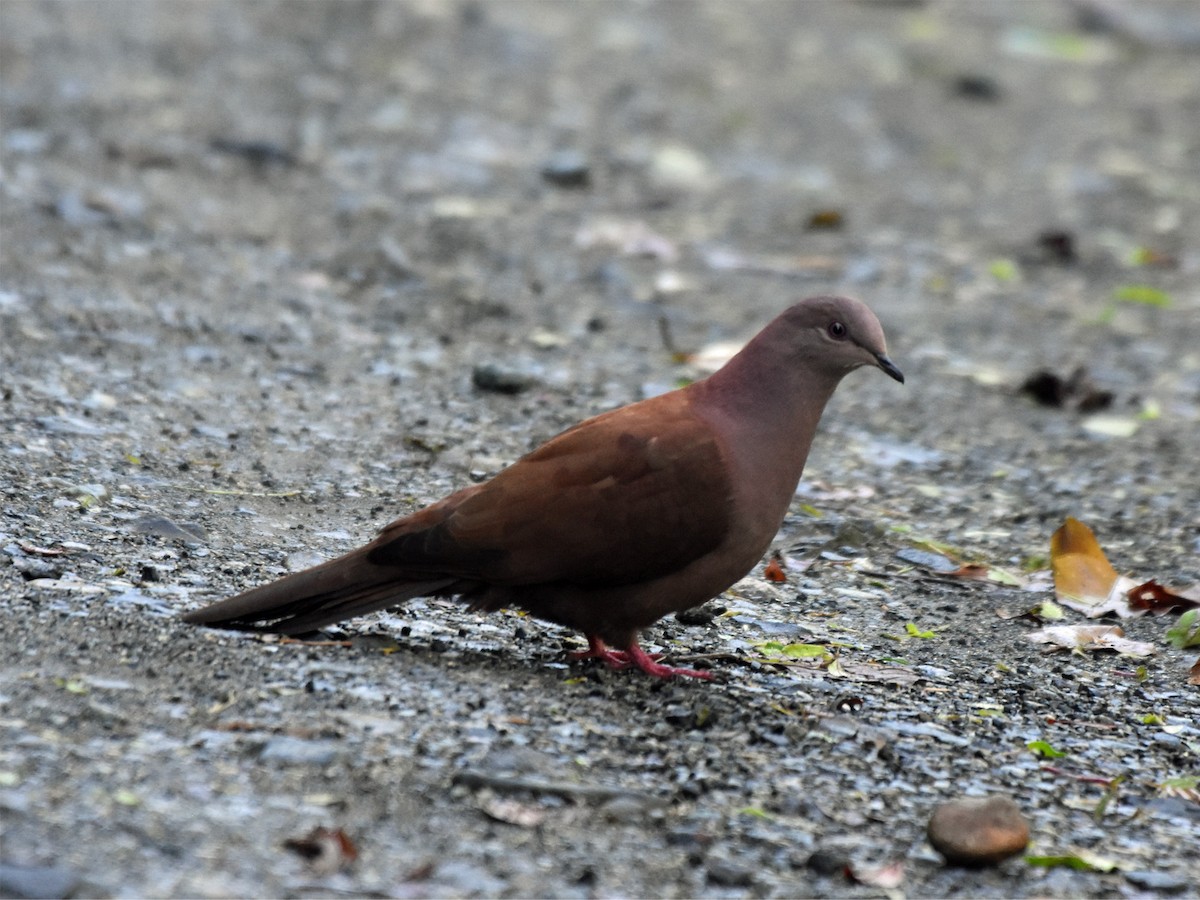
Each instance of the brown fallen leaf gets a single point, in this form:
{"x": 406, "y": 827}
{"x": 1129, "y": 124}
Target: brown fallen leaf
{"x": 1194, "y": 674}
{"x": 1090, "y": 637}
{"x": 970, "y": 570}
{"x": 774, "y": 571}
{"x": 1057, "y": 246}
{"x": 1155, "y": 599}
{"x": 1050, "y": 389}
{"x": 326, "y": 849}
{"x": 826, "y": 219}
{"x": 1084, "y": 579}
{"x": 239, "y": 725}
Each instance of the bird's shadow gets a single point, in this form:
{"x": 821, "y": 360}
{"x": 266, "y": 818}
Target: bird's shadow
{"x": 546, "y": 661}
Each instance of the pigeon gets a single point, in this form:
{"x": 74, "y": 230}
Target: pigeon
{"x": 631, "y": 515}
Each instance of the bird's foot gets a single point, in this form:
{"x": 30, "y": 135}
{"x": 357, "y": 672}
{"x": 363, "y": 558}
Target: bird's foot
{"x": 644, "y": 661}
{"x": 634, "y": 656}
{"x": 597, "y": 649}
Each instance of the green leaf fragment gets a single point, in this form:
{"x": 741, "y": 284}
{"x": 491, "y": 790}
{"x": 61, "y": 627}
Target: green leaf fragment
{"x": 1045, "y": 750}
{"x": 1000, "y": 576}
{"x": 1003, "y": 270}
{"x": 940, "y": 547}
{"x": 1185, "y": 632}
{"x": 755, "y": 811}
{"x": 1081, "y": 860}
{"x": 1142, "y": 293}
{"x": 796, "y": 651}
{"x": 1142, "y": 256}
{"x": 914, "y": 631}
{"x": 1110, "y": 794}
{"x": 1181, "y": 783}
{"x": 1048, "y": 609}
{"x": 1035, "y": 563}
{"x": 127, "y": 798}
{"x": 805, "y": 651}
{"x": 1062, "y": 45}
{"x": 72, "y": 685}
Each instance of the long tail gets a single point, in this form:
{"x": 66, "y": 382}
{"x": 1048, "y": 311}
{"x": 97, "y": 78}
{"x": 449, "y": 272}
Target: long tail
{"x": 304, "y": 601}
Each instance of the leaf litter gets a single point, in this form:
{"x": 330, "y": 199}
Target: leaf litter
{"x": 1084, "y": 580}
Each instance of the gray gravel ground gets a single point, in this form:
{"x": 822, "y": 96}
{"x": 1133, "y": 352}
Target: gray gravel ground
{"x": 257, "y": 256}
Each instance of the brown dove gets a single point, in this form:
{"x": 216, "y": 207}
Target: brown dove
{"x": 633, "y": 514}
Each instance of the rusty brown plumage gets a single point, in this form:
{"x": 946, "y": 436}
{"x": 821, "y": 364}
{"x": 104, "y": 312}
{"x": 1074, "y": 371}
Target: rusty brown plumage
{"x": 618, "y": 521}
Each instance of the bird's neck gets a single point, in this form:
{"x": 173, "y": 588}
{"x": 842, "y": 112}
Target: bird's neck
{"x": 768, "y": 391}
{"x": 768, "y": 407}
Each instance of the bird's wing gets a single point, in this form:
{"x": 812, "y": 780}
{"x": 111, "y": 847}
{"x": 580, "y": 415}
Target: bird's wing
{"x": 628, "y": 496}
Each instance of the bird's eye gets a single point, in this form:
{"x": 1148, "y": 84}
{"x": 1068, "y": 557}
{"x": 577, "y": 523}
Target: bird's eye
{"x": 837, "y": 331}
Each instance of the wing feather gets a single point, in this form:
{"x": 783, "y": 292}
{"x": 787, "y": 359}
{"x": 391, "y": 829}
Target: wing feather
{"x": 624, "y": 497}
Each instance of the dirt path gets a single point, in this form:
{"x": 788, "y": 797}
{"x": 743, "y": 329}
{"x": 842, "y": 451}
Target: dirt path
{"x": 257, "y": 259}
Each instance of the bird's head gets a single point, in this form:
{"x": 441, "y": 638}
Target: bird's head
{"x": 836, "y": 335}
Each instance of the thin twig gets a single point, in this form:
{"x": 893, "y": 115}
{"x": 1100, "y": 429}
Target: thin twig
{"x": 509, "y": 784}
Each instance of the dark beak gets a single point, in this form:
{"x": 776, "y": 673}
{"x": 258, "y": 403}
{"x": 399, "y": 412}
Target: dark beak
{"x": 888, "y": 366}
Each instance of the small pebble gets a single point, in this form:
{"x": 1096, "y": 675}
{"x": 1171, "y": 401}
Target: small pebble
{"x": 977, "y": 87}
{"x": 32, "y": 567}
{"x": 1166, "y": 882}
{"x": 295, "y": 751}
{"x": 727, "y": 873}
{"x": 978, "y": 831}
{"x": 828, "y": 861}
{"x": 500, "y": 380}
{"x": 624, "y": 809}
{"x": 567, "y": 169}
{"x": 160, "y": 526}
{"x": 700, "y": 615}
{"x": 37, "y": 881}
{"x": 257, "y": 153}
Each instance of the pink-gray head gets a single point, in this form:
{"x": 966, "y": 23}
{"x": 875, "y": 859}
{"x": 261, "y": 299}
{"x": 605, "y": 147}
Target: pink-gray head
{"x": 827, "y": 337}
{"x": 832, "y": 335}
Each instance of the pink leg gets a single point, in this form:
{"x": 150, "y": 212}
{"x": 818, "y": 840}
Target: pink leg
{"x": 646, "y": 663}
{"x": 615, "y": 659}
{"x": 634, "y": 656}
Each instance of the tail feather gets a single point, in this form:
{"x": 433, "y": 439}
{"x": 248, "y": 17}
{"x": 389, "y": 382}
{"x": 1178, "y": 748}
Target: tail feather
{"x": 304, "y": 601}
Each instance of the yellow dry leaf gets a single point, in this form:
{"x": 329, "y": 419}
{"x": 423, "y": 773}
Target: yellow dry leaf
{"x": 1081, "y": 570}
